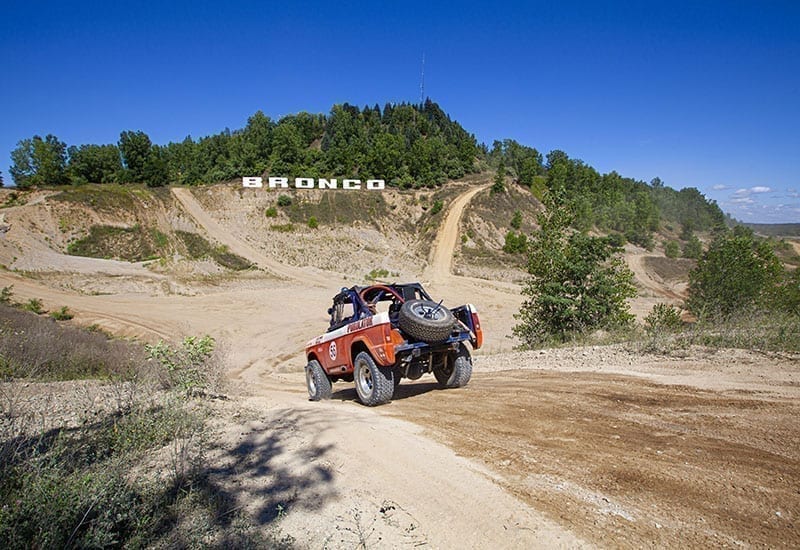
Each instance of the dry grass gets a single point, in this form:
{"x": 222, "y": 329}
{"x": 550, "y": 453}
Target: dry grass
{"x": 39, "y": 348}
{"x": 117, "y": 463}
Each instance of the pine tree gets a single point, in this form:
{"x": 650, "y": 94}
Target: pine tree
{"x": 500, "y": 179}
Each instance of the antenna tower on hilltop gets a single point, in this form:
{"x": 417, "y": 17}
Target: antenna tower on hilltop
{"x": 422, "y": 82}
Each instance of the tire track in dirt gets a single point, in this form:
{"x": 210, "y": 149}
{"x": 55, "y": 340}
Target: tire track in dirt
{"x": 91, "y": 309}
{"x": 441, "y": 256}
{"x": 217, "y": 232}
{"x": 636, "y": 264}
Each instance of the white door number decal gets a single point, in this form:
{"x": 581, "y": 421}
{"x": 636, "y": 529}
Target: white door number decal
{"x": 332, "y": 351}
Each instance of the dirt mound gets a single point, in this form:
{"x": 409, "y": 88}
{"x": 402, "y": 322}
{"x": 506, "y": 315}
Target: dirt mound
{"x": 670, "y": 270}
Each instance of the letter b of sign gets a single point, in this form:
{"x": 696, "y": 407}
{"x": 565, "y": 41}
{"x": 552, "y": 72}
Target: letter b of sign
{"x": 252, "y": 182}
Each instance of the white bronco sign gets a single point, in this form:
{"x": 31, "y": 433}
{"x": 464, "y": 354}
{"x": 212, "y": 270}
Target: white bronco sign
{"x": 311, "y": 183}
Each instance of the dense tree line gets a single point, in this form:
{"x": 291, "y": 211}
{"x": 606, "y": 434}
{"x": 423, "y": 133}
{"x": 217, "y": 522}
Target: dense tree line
{"x": 408, "y": 145}
{"x": 608, "y": 202}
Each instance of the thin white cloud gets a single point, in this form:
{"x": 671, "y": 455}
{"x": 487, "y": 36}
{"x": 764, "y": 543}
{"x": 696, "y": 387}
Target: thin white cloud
{"x": 742, "y": 200}
{"x": 752, "y": 190}
{"x": 720, "y": 187}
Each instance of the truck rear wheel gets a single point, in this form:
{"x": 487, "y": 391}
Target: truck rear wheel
{"x": 318, "y": 383}
{"x": 456, "y": 371}
{"x": 374, "y": 384}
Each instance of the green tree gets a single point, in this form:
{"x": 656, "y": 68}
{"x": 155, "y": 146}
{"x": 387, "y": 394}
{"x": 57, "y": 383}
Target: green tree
{"x": 737, "y": 273}
{"x": 515, "y": 243}
{"x": 576, "y": 282}
{"x": 38, "y": 161}
{"x": 788, "y": 297}
{"x": 135, "y": 149}
{"x": 516, "y": 219}
{"x": 671, "y": 249}
{"x": 287, "y": 148}
{"x": 500, "y": 179}
{"x": 94, "y": 163}
{"x": 155, "y": 172}
{"x": 693, "y": 248}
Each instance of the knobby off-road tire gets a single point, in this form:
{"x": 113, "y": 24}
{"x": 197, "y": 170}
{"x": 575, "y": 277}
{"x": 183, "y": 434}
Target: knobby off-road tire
{"x": 318, "y": 383}
{"x": 374, "y": 384}
{"x": 426, "y": 321}
{"x": 458, "y": 370}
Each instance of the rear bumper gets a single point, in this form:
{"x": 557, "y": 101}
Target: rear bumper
{"x": 421, "y": 348}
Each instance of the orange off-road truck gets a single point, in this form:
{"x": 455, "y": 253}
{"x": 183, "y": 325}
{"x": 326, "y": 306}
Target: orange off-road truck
{"x": 381, "y": 334}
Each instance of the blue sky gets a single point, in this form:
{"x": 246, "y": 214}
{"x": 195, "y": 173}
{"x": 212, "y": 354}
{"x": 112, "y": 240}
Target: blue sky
{"x": 702, "y": 94}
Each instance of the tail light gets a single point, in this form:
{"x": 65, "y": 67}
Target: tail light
{"x": 476, "y": 325}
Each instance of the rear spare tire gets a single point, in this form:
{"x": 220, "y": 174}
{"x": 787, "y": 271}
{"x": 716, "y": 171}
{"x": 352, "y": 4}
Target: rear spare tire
{"x": 374, "y": 384}
{"x": 318, "y": 383}
{"x": 426, "y": 321}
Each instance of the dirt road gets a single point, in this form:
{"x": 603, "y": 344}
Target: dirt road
{"x": 628, "y": 463}
{"x": 441, "y": 257}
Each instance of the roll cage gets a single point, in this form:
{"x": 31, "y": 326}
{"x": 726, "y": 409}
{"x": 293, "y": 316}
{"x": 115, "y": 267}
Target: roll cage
{"x": 352, "y": 304}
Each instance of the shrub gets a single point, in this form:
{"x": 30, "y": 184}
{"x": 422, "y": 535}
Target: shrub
{"x": 187, "y": 367}
{"x": 662, "y": 317}
{"x": 616, "y": 240}
{"x": 737, "y": 273}
{"x": 437, "y": 207}
{"x": 33, "y": 305}
{"x": 62, "y": 314}
{"x": 576, "y": 283}
{"x": 377, "y": 274}
{"x": 693, "y": 248}
{"x": 671, "y": 249}
{"x": 313, "y": 223}
{"x": 198, "y": 247}
{"x": 516, "y": 219}
{"x": 516, "y": 243}
{"x": 271, "y": 212}
{"x": 282, "y": 228}
{"x": 160, "y": 239}
{"x": 640, "y": 238}
{"x": 132, "y": 244}
{"x": 35, "y": 347}
{"x": 226, "y": 258}
{"x": 788, "y": 294}
{"x": 284, "y": 200}
{"x": 5, "y": 294}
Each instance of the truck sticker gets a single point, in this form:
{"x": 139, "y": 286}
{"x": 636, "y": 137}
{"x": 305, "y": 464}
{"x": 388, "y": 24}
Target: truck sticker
{"x": 332, "y": 351}
{"x": 358, "y": 325}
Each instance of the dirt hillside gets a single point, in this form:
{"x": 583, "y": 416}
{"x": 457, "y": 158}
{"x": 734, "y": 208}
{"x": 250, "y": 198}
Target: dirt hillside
{"x": 599, "y": 446}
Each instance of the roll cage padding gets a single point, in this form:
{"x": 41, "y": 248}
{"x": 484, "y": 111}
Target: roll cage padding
{"x": 379, "y": 289}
